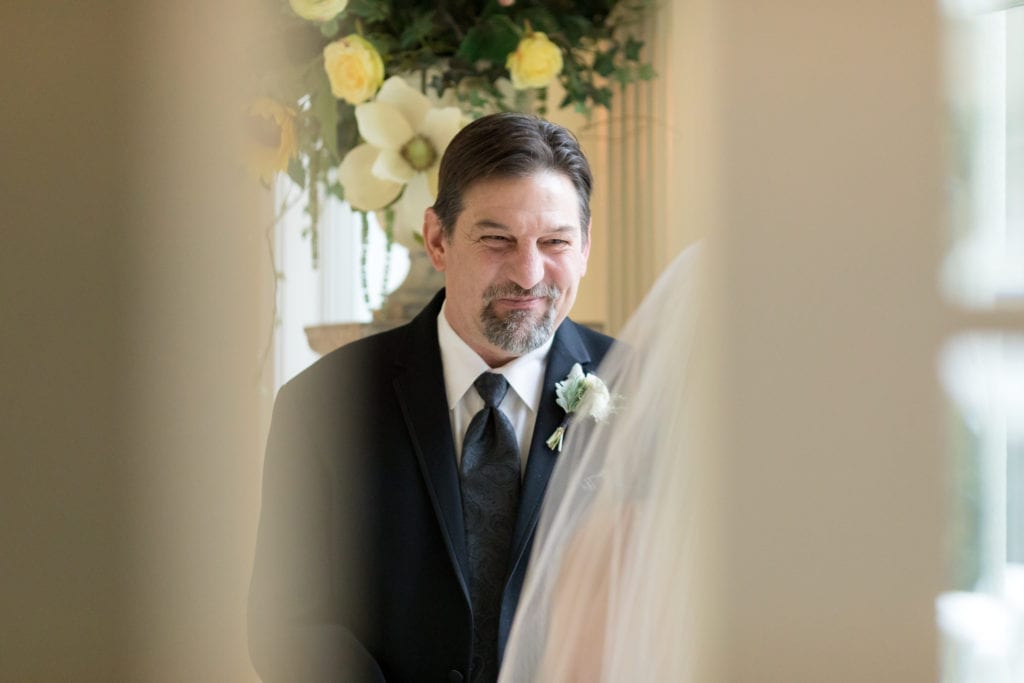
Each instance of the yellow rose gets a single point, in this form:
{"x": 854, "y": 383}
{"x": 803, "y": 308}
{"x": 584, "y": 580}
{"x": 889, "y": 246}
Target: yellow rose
{"x": 271, "y": 137}
{"x": 354, "y": 68}
{"x": 535, "y": 62}
{"x": 318, "y": 10}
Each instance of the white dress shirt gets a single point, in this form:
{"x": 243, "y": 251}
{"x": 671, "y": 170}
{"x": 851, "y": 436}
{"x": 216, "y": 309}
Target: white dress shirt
{"x": 462, "y": 365}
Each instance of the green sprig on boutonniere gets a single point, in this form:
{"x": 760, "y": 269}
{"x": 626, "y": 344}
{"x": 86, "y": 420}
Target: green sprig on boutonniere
{"x": 583, "y": 394}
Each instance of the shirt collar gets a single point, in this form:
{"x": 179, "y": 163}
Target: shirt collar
{"x": 462, "y": 365}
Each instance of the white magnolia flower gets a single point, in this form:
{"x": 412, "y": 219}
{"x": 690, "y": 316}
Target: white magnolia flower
{"x": 405, "y": 138}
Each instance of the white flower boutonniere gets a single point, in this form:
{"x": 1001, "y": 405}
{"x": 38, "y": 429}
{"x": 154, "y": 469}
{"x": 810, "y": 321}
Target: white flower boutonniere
{"x": 580, "y": 394}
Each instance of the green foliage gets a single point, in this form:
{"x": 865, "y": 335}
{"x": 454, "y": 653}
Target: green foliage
{"x": 493, "y": 39}
{"x": 325, "y": 111}
{"x": 576, "y": 28}
{"x": 336, "y": 190}
{"x": 296, "y": 171}
{"x": 541, "y": 19}
{"x": 604, "y": 63}
{"x": 415, "y": 34}
{"x": 368, "y": 10}
{"x": 384, "y": 42}
{"x": 632, "y": 49}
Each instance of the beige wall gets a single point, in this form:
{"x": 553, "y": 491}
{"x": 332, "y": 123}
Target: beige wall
{"x": 59, "y": 496}
{"x": 136, "y": 293}
{"x": 827, "y": 202}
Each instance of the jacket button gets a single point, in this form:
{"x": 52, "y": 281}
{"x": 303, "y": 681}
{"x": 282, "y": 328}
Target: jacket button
{"x": 455, "y": 676}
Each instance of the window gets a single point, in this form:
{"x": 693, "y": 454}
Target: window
{"x": 985, "y": 265}
{"x": 332, "y": 292}
{"x": 982, "y": 620}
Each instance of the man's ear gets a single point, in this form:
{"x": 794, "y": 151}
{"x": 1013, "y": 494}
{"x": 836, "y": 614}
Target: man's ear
{"x": 434, "y": 239}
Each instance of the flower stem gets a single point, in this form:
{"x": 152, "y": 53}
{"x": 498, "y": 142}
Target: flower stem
{"x": 389, "y": 233}
{"x": 314, "y": 208}
{"x": 365, "y": 244}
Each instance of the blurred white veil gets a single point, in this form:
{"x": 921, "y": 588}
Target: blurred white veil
{"x": 610, "y": 588}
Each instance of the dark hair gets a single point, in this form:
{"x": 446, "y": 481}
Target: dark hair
{"x": 508, "y": 145}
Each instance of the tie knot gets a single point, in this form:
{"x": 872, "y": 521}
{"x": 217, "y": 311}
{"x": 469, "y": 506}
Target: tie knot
{"x": 492, "y": 388}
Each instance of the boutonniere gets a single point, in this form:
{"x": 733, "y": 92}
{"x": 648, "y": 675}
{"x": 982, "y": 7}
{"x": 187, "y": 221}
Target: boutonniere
{"x": 580, "y": 394}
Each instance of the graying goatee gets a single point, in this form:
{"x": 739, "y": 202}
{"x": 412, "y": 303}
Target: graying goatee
{"x": 520, "y": 331}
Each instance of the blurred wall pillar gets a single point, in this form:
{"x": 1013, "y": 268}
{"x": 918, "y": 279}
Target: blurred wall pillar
{"x": 137, "y": 290}
{"x": 199, "y": 323}
{"x": 61, "y": 540}
{"x": 825, "y": 200}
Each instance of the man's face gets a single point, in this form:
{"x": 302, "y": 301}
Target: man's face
{"x": 513, "y": 264}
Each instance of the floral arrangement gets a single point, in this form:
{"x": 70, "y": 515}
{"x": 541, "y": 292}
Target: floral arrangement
{"x": 359, "y": 98}
{"x": 582, "y": 394}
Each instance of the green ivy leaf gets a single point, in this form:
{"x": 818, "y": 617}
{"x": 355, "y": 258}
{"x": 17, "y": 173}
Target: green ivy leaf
{"x": 415, "y": 33}
{"x": 541, "y": 19}
{"x": 476, "y": 99}
{"x": 623, "y": 76}
{"x": 471, "y": 45}
{"x": 384, "y": 43}
{"x": 604, "y": 62}
{"x": 336, "y": 190}
{"x": 576, "y": 27}
{"x": 646, "y": 72}
{"x": 325, "y": 108}
{"x": 572, "y": 82}
{"x": 347, "y": 131}
{"x": 632, "y": 49}
{"x": 297, "y": 172}
{"x": 369, "y": 10}
{"x": 493, "y": 39}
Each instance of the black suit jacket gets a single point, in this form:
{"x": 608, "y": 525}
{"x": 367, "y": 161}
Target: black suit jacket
{"x": 361, "y": 571}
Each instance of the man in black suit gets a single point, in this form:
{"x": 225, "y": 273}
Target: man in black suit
{"x": 385, "y": 506}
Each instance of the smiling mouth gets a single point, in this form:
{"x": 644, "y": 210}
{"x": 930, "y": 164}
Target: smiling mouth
{"x": 515, "y": 296}
{"x": 518, "y": 302}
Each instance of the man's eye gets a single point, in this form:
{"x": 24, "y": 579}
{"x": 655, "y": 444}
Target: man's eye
{"x": 494, "y": 239}
{"x": 558, "y": 243}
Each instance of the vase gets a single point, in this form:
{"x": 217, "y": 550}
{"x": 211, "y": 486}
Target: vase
{"x": 402, "y": 305}
{"x": 415, "y": 292}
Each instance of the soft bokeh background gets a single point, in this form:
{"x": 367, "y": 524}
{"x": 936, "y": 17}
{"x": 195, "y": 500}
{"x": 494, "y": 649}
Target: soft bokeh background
{"x": 136, "y": 309}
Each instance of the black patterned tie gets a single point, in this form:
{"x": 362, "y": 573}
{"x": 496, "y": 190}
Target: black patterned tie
{"x": 490, "y": 497}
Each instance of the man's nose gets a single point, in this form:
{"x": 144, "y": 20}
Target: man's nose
{"x": 526, "y": 266}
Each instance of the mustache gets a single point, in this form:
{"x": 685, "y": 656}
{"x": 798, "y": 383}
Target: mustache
{"x": 511, "y": 290}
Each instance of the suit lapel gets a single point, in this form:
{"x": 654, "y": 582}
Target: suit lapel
{"x": 566, "y": 348}
{"x": 420, "y": 389}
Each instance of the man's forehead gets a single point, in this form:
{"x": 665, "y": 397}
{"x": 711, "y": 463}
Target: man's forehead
{"x": 500, "y": 199}
{"x": 493, "y": 224}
